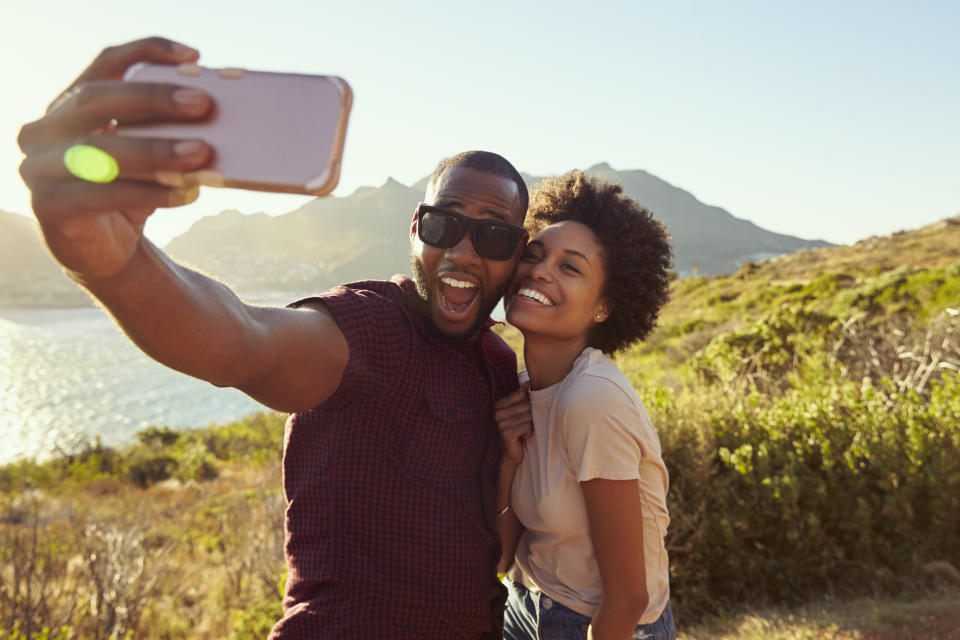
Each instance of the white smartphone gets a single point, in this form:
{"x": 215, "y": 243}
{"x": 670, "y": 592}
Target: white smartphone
{"x": 280, "y": 132}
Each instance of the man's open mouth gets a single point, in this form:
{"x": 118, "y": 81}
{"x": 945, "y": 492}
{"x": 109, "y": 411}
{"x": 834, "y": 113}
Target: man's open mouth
{"x": 456, "y": 295}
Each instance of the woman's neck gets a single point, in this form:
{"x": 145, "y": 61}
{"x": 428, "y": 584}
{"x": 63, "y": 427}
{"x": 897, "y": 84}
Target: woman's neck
{"x": 548, "y": 360}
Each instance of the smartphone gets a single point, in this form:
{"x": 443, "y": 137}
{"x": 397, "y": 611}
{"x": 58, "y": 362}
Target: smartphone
{"x": 280, "y": 132}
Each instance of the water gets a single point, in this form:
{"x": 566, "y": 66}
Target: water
{"x": 70, "y": 375}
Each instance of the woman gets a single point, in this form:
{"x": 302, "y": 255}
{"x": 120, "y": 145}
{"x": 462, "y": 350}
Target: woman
{"x": 584, "y": 522}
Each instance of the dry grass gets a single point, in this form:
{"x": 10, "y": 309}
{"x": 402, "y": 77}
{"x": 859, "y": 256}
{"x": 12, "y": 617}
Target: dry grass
{"x": 935, "y": 617}
{"x": 171, "y": 561}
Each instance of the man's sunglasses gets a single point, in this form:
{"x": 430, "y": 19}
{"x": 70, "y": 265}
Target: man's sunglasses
{"x": 443, "y": 229}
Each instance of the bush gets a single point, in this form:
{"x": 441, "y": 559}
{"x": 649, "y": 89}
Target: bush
{"x": 255, "y": 621}
{"x": 146, "y": 467}
{"x": 194, "y": 462}
{"x": 821, "y": 484}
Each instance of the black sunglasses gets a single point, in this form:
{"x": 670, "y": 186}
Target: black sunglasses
{"x": 443, "y": 229}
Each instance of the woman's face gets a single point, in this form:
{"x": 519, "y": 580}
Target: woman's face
{"x": 557, "y": 289}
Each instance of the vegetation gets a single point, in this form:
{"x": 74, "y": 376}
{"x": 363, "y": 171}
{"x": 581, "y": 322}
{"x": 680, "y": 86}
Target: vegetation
{"x": 809, "y": 412}
{"x": 179, "y": 535}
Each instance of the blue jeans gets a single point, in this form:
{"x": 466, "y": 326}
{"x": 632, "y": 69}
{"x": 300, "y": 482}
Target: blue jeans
{"x": 536, "y": 616}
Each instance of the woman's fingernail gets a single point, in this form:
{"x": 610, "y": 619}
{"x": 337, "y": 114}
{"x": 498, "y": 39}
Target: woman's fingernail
{"x": 180, "y": 197}
{"x": 188, "y": 148}
{"x": 190, "y": 99}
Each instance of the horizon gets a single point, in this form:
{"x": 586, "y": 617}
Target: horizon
{"x": 817, "y": 121}
{"x": 164, "y": 235}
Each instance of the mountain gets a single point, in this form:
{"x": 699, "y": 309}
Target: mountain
{"x": 21, "y": 248}
{"x": 364, "y": 235}
{"x": 325, "y": 242}
{"x": 706, "y": 239}
{"x": 28, "y": 274}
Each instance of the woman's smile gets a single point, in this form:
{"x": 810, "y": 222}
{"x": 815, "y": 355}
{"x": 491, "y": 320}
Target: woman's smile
{"x": 558, "y": 288}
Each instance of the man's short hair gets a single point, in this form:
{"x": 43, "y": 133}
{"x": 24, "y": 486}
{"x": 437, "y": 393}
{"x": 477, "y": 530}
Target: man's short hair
{"x": 487, "y": 162}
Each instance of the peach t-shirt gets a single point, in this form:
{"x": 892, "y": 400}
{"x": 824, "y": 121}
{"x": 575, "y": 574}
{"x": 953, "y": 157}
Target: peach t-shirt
{"x": 589, "y": 425}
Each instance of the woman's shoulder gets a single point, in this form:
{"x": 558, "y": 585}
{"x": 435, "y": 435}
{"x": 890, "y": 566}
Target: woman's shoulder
{"x": 596, "y": 380}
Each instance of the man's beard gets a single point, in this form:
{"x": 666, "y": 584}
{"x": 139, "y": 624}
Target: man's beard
{"x": 426, "y": 294}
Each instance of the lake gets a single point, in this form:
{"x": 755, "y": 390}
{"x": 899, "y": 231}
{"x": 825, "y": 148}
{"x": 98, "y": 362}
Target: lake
{"x": 70, "y": 375}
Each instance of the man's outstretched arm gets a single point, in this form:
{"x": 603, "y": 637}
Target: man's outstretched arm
{"x": 288, "y": 359}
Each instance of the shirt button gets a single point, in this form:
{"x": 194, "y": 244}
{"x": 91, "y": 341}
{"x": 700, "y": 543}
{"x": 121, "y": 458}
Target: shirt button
{"x": 546, "y": 602}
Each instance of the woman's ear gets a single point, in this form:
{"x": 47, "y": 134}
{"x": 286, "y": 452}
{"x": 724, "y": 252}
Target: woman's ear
{"x": 602, "y": 313}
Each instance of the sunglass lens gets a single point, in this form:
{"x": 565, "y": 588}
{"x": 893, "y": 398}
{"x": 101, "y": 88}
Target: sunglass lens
{"x": 494, "y": 241}
{"x": 440, "y": 230}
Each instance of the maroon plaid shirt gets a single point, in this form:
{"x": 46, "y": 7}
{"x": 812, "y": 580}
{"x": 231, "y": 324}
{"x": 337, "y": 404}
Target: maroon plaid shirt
{"x": 390, "y": 483}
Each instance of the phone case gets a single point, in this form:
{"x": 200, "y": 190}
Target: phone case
{"x": 269, "y": 131}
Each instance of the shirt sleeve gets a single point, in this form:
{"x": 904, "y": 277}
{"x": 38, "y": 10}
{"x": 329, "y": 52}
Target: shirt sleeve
{"x": 377, "y": 331}
{"x": 601, "y": 431}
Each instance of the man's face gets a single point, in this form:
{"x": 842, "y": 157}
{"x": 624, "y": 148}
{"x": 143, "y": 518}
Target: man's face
{"x": 459, "y": 289}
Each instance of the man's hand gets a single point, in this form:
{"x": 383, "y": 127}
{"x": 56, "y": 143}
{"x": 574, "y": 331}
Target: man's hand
{"x": 94, "y": 229}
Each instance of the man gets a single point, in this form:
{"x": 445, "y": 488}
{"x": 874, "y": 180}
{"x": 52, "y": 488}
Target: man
{"x": 390, "y": 451}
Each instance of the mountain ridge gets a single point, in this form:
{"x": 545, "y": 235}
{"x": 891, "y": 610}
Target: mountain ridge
{"x": 363, "y": 236}
{"x": 356, "y": 237}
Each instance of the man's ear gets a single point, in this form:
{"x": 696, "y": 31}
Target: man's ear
{"x": 413, "y": 224}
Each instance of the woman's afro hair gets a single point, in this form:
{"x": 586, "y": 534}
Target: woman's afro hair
{"x": 636, "y": 252}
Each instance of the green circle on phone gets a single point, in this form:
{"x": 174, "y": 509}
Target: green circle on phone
{"x": 90, "y": 163}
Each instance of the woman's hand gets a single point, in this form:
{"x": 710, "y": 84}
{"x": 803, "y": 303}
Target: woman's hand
{"x": 515, "y": 422}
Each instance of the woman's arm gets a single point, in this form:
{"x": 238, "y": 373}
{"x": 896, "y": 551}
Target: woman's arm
{"x": 515, "y": 422}
{"x": 615, "y": 512}
{"x": 508, "y": 526}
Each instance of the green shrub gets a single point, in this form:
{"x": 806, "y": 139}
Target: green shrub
{"x": 828, "y": 488}
{"x": 761, "y": 355}
{"x": 195, "y": 462}
{"x": 258, "y": 438}
{"x": 808, "y": 457}
{"x": 16, "y": 633}
{"x": 255, "y": 621}
{"x": 158, "y": 437}
{"x": 146, "y": 467}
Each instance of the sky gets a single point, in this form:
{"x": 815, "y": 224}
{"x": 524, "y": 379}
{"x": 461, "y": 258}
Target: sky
{"x": 834, "y": 120}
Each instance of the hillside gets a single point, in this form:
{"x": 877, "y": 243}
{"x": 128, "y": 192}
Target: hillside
{"x": 20, "y": 244}
{"x": 333, "y": 240}
{"x": 905, "y": 278}
{"x": 28, "y": 275}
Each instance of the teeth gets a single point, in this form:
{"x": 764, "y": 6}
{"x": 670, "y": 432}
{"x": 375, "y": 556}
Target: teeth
{"x": 460, "y": 284}
{"x": 534, "y": 295}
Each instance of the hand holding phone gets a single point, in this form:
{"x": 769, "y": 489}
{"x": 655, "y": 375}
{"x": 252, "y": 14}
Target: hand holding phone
{"x": 280, "y": 132}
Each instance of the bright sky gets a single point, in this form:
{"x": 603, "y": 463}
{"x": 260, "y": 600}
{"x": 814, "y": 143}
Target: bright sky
{"x": 824, "y": 119}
